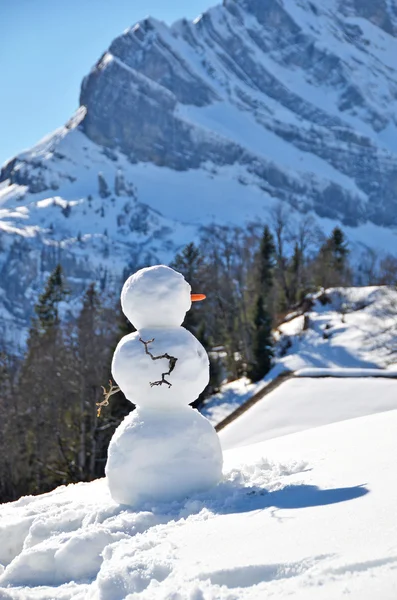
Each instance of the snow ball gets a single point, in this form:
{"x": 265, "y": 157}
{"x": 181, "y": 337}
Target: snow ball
{"x": 157, "y": 457}
{"x": 134, "y": 370}
{"x": 156, "y": 297}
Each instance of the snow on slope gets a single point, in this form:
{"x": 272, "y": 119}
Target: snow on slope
{"x": 309, "y": 516}
{"x": 356, "y": 329}
{"x": 301, "y": 403}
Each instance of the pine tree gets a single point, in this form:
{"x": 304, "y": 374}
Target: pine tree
{"x": 44, "y": 390}
{"x": 339, "y": 250}
{"x": 282, "y": 234}
{"x": 12, "y": 467}
{"x": 47, "y": 308}
{"x": 119, "y": 183}
{"x": 93, "y": 342}
{"x": 215, "y": 369}
{"x": 294, "y": 274}
{"x": 262, "y": 342}
{"x": 266, "y": 262}
{"x": 190, "y": 263}
{"x": 103, "y": 187}
{"x": 332, "y": 264}
{"x": 87, "y": 369}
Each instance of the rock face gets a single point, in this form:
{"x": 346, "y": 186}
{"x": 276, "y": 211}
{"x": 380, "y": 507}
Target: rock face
{"x": 329, "y": 70}
{"x": 208, "y": 120}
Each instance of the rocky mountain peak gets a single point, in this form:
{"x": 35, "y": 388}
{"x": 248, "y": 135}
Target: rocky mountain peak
{"x": 211, "y": 120}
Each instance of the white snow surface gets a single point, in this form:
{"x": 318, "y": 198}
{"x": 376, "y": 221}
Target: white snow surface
{"x": 301, "y": 403}
{"x": 357, "y": 328}
{"x": 308, "y": 516}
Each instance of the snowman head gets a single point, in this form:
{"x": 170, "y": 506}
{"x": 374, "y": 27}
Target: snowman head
{"x": 156, "y": 297}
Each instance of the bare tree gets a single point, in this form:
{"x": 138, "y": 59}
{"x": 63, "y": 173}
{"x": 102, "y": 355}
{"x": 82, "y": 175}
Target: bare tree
{"x": 282, "y": 234}
{"x": 388, "y": 270}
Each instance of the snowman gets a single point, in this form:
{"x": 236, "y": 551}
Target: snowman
{"x": 164, "y": 450}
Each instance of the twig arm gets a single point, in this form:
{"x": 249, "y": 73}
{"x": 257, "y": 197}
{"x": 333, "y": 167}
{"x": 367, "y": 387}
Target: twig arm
{"x": 172, "y": 362}
{"x": 113, "y": 389}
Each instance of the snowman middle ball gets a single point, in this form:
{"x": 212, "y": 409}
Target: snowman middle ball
{"x": 139, "y": 375}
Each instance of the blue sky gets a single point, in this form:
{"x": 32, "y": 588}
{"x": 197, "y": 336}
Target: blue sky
{"x": 46, "y": 48}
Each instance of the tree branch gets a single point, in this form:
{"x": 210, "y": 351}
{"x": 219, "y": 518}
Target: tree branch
{"x": 113, "y": 389}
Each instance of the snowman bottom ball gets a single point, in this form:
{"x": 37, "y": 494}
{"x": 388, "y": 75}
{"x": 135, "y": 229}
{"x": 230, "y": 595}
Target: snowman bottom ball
{"x": 161, "y": 456}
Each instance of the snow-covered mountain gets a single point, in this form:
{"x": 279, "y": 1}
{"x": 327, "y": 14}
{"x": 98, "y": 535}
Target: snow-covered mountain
{"x": 212, "y": 120}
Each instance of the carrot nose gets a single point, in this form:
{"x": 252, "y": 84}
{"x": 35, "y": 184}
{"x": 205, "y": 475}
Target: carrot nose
{"x": 197, "y": 297}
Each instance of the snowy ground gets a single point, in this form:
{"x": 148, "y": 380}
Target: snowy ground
{"x": 307, "y": 516}
{"x": 302, "y": 403}
{"x": 357, "y": 329}
{"x": 233, "y": 395}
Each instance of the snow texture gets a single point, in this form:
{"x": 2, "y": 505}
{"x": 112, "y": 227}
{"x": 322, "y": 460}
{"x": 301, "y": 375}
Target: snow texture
{"x": 164, "y": 450}
{"x": 301, "y": 403}
{"x": 309, "y": 516}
